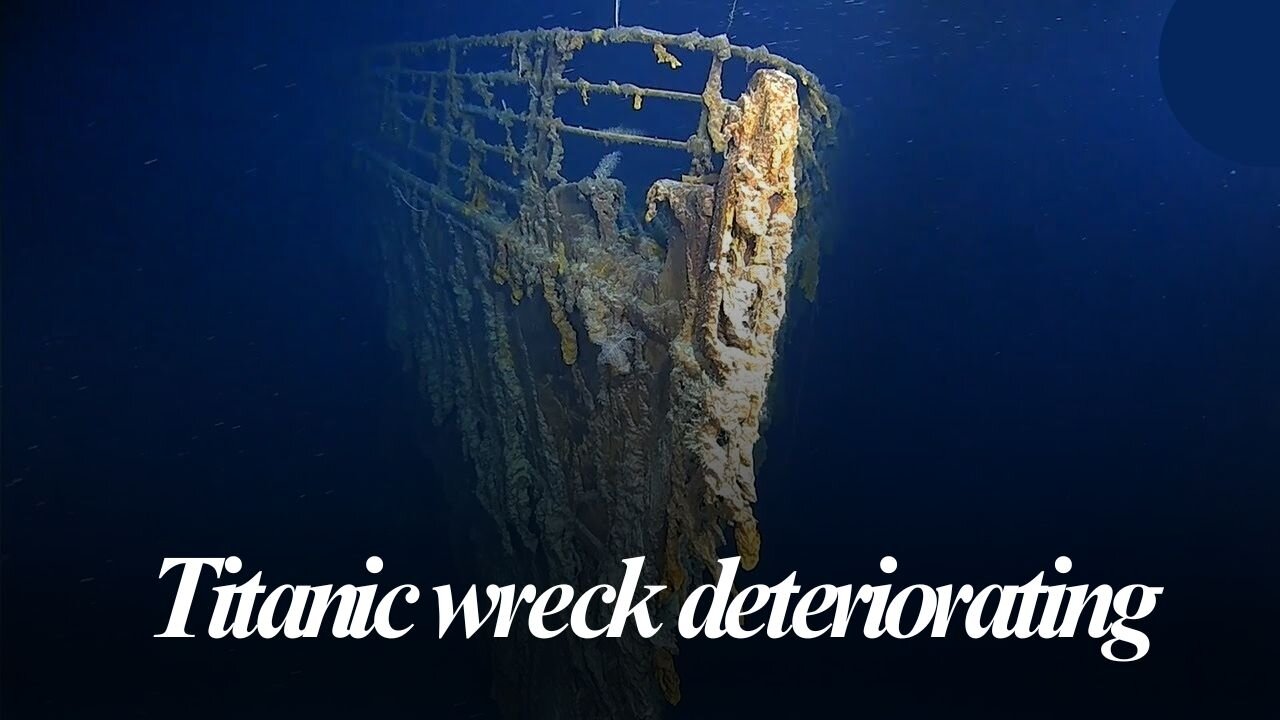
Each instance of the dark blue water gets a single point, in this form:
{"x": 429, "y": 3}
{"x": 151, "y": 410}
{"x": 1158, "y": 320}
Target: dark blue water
{"x": 1047, "y": 325}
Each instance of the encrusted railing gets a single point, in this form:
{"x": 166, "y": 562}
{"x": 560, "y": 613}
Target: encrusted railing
{"x": 436, "y": 115}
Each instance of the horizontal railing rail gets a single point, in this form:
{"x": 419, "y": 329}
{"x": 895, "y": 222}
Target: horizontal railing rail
{"x": 462, "y": 111}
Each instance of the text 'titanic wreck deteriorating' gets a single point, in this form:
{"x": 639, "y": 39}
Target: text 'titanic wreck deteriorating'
{"x": 604, "y": 368}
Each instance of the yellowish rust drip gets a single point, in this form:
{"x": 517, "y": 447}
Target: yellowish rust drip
{"x": 715, "y": 106}
{"x": 559, "y": 318}
{"x": 746, "y": 535}
{"x": 665, "y": 56}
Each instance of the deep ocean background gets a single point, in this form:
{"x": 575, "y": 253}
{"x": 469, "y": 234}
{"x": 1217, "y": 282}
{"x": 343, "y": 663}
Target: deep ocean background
{"x": 1047, "y": 324}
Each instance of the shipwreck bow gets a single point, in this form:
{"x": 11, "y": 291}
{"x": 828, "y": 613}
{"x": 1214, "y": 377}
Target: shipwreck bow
{"x": 598, "y": 374}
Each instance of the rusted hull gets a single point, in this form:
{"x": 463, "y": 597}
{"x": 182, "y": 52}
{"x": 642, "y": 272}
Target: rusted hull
{"x": 606, "y": 381}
